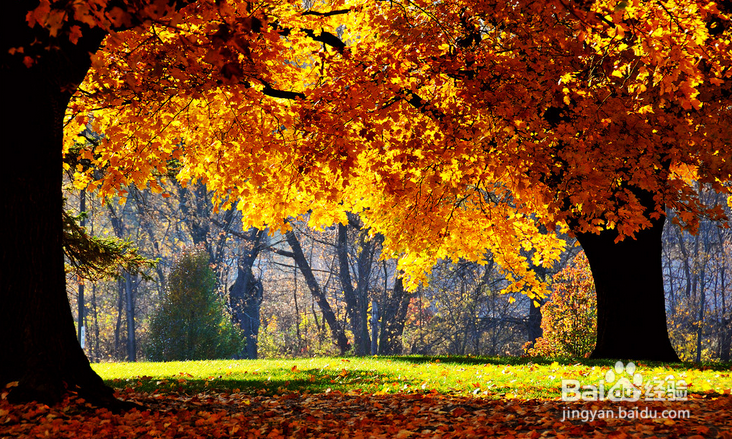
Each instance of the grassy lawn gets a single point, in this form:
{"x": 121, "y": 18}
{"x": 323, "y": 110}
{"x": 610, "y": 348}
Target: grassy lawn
{"x": 492, "y": 378}
{"x": 390, "y": 397}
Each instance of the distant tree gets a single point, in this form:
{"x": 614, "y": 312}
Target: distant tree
{"x": 247, "y": 293}
{"x": 192, "y": 323}
{"x": 569, "y": 319}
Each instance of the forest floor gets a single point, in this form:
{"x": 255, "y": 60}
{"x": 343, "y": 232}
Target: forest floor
{"x": 402, "y": 397}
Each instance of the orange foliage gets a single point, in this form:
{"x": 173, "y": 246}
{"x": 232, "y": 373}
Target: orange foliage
{"x": 569, "y": 320}
{"x": 454, "y": 128}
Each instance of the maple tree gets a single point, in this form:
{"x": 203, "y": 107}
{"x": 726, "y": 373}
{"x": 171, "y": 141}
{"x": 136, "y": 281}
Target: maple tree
{"x": 491, "y": 116}
{"x": 38, "y": 339}
{"x": 46, "y": 53}
{"x": 453, "y": 129}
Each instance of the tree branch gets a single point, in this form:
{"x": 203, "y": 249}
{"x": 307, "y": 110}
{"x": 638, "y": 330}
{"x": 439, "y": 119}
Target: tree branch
{"x": 326, "y": 38}
{"x": 421, "y": 104}
{"x": 283, "y": 94}
{"x": 327, "y": 14}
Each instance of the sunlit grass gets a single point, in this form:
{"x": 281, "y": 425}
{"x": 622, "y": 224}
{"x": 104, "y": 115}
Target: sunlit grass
{"x": 522, "y": 378}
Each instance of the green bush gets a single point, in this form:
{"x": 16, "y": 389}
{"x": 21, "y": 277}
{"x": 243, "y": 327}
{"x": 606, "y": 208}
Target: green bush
{"x": 192, "y": 323}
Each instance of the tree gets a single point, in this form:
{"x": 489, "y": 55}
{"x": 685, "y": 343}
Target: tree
{"x": 46, "y": 53}
{"x": 394, "y": 304}
{"x": 453, "y": 128}
{"x": 246, "y": 294}
{"x": 192, "y": 323}
{"x": 36, "y": 323}
{"x": 92, "y": 257}
{"x": 501, "y": 131}
{"x": 336, "y": 329}
{"x": 493, "y": 114}
{"x": 357, "y": 295}
{"x": 603, "y": 140}
{"x": 569, "y": 319}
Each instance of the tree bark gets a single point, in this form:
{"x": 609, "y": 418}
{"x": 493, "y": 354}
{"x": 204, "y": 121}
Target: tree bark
{"x": 393, "y": 317}
{"x": 533, "y": 324}
{"x": 725, "y": 343}
{"x": 37, "y": 335}
{"x": 246, "y": 296}
{"x": 356, "y": 298}
{"x": 631, "y": 309}
{"x": 130, "y": 312}
{"x": 81, "y": 313}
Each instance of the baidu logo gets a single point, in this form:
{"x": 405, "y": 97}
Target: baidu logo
{"x": 625, "y": 383}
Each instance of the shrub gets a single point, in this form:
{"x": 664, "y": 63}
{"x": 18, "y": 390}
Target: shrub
{"x": 192, "y": 323}
{"x": 569, "y": 319}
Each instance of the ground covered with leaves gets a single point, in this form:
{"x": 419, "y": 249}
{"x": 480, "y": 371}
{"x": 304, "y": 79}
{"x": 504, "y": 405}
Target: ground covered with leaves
{"x": 362, "y": 400}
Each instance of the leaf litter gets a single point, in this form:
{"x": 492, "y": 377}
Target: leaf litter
{"x": 357, "y": 414}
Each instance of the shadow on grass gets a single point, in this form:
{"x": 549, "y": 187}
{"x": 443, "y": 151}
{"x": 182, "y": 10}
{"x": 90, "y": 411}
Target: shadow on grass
{"x": 254, "y": 387}
{"x": 507, "y": 361}
{"x": 382, "y": 374}
{"x": 564, "y": 361}
{"x": 310, "y": 381}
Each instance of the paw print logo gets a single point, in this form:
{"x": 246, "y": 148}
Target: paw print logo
{"x": 626, "y": 384}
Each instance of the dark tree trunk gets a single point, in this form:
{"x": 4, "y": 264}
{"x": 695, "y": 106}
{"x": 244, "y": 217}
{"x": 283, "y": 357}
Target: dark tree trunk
{"x": 374, "y": 327}
{"x": 393, "y": 317}
{"x": 725, "y": 342}
{"x": 130, "y": 313}
{"x": 339, "y": 336}
{"x": 631, "y": 308}
{"x": 126, "y": 293}
{"x": 37, "y": 335}
{"x": 118, "y": 325}
{"x": 246, "y": 295}
{"x": 356, "y": 298}
{"x": 81, "y": 313}
{"x": 533, "y": 324}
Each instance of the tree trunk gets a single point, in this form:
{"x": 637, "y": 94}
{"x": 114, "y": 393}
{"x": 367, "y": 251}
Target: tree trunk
{"x": 118, "y": 324}
{"x": 631, "y": 312}
{"x": 339, "y": 336}
{"x": 356, "y": 299}
{"x": 130, "y": 312}
{"x": 95, "y": 314}
{"x": 374, "y": 327}
{"x": 37, "y": 335}
{"x": 393, "y": 317}
{"x": 246, "y": 295}
{"x": 725, "y": 343}
{"x": 533, "y": 324}
{"x": 81, "y": 314}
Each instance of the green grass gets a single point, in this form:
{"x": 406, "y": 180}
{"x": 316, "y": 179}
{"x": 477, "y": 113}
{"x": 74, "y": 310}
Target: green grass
{"x": 523, "y": 378}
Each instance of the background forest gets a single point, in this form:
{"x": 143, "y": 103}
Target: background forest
{"x": 327, "y": 292}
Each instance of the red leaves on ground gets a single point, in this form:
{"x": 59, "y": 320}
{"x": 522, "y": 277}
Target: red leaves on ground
{"x": 353, "y": 415}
